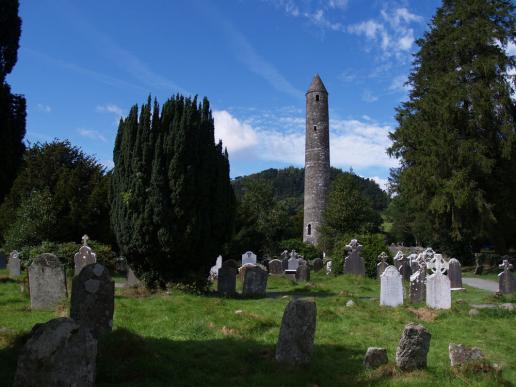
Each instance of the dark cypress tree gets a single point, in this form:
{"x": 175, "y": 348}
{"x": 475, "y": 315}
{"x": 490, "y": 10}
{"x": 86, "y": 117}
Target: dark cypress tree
{"x": 172, "y": 201}
{"x": 12, "y": 107}
{"x": 456, "y": 134}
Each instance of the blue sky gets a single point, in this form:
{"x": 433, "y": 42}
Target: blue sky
{"x": 83, "y": 64}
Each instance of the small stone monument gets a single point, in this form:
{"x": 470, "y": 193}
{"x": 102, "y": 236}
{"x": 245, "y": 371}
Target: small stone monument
{"x": 93, "y": 299}
{"x": 226, "y": 280}
{"x": 317, "y": 264}
{"x": 375, "y": 357}
{"x": 214, "y": 271}
{"x": 59, "y": 352}
{"x": 46, "y": 282}
{"x": 397, "y": 258}
{"x": 413, "y": 348}
{"x": 462, "y": 355}
{"x": 248, "y": 258}
{"x": 354, "y": 264}
{"x": 243, "y": 269}
{"x": 455, "y": 274}
{"x": 14, "y": 264}
{"x": 382, "y": 265}
{"x": 403, "y": 265}
{"x": 297, "y": 333}
{"x": 391, "y": 290}
{"x": 275, "y": 267}
{"x": 506, "y": 280}
{"x": 303, "y": 273}
{"x": 84, "y": 257}
{"x": 255, "y": 282}
{"x": 417, "y": 292}
{"x": 293, "y": 254}
{"x": 293, "y": 263}
{"x": 285, "y": 255}
{"x": 438, "y": 291}
{"x": 131, "y": 280}
{"x": 329, "y": 267}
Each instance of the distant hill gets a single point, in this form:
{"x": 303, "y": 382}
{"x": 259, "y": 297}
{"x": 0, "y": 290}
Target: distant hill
{"x": 289, "y": 183}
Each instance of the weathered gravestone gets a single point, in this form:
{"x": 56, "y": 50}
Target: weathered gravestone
{"x": 255, "y": 282}
{"x": 303, "y": 273}
{"x": 301, "y": 261}
{"x": 248, "y": 258}
{"x": 226, "y": 280}
{"x": 397, "y": 259}
{"x": 131, "y": 280}
{"x": 506, "y": 280}
{"x": 462, "y": 355}
{"x": 375, "y": 357}
{"x": 382, "y": 265}
{"x": 479, "y": 268}
{"x": 14, "y": 264}
{"x": 293, "y": 263}
{"x": 438, "y": 291}
{"x": 413, "y": 348}
{"x": 93, "y": 299}
{"x": 455, "y": 274}
{"x": 417, "y": 292}
{"x": 404, "y": 266}
{"x": 84, "y": 257}
{"x": 297, "y": 333}
{"x": 391, "y": 289}
{"x": 243, "y": 269}
{"x": 317, "y": 264}
{"x": 46, "y": 282}
{"x": 57, "y": 353}
{"x": 354, "y": 264}
{"x": 230, "y": 262}
{"x": 329, "y": 267}
{"x": 275, "y": 267}
{"x": 214, "y": 271}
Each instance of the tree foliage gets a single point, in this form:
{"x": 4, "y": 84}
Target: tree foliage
{"x": 172, "y": 202}
{"x": 456, "y": 134}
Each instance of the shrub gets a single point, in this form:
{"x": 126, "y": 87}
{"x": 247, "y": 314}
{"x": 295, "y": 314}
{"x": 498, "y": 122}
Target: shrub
{"x": 307, "y": 250}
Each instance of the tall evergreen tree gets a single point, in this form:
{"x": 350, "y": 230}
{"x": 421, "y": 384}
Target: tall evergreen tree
{"x": 172, "y": 201}
{"x": 456, "y": 134}
{"x": 12, "y": 107}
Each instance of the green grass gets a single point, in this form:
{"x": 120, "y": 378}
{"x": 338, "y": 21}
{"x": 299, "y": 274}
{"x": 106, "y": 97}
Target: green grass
{"x": 180, "y": 339}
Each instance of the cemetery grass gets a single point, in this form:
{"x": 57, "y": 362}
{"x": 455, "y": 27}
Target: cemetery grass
{"x": 180, "y": 339}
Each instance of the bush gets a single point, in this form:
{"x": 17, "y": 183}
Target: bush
{"x": 373, "y": 245}
{"x": 307, "y": 250}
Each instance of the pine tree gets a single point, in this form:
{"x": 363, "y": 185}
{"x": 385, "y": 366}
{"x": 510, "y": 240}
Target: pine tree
{"x": 172, "y": 201}
{"x": 456, "y": 134}
{"x": 12, "y": 107}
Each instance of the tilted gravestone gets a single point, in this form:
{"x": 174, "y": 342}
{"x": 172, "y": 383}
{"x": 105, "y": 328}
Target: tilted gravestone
{"x": 215, "y": 268}
{"x": 275, "y": 267}
{"x": 84, "y": 257}
{"x": 57, "y": 353}
{"x": 382, "y": 265}
{"x": 93, "y": 299}
{"x": 255, "y": 282}
{"x": 14, "y": 264}
{"x": 303, "y": 273}
{"x": 354, "y": 263}
{"x": 417, "y": 292}
{"x": 413, "y": 348}
{"x": 455, "y": 273}
{"x": 226, "y": 280}
{"x": 506, "y": 280}
{"x": 248, "y": 258}
{"x": 46, "y": 282}
{"x": 391, "y": 288}
{"x": 438, "y": 290}
{"x": 297, "y": 333}
{"x": 317, "y": 264}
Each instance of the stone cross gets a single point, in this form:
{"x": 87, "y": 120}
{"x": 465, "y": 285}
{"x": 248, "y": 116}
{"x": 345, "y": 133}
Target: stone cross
{"x": 354, "y": 263}
{"x": 354, "y": 246}
{"x": 506, "y": 280}
{"x": 438, "y": 289}
{"x": 505, "y": 265}
{"x": 383, "y": 256}
{"x": 437, "y": 264}
{"x": 382, "y": 265}
{"x": 85, "y": 239}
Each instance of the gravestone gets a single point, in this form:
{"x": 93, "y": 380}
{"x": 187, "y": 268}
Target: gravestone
{"x": 391, "y": 289}
{"x": 382, "y": 265}
{"x": 249, "y": 258}
{"x": 293, "y": 254}
{"x": 226, "y": 280}
{"x": 3, "y": 262}
{"x": 131, "y": 280}
{"x": 285, "y": 255}
{"x": 413, "y": 348}
{"x": 397, "y": 258}
{"x": 275, "y": 267}
{"x": 255, "y": 282}
{"x": 84, "y": 257}
{"x": 301, "y": 261}
{"x": 297, "y": 333}
{"x": 243, "y": 269}
{"x": 479, "y": 268}
{"x": 329, "y": 267}
{"x": 461, "y": 355}
{"x": 121, "y": 265}
{"x": 93, "y": 299}
{"x": 375, "y": 357}
{"x": 14, "y": 264}
{"x": 293, "y": 263}
{"x": 214, "y": 271}
{"x": 414, "y": 262}
{"x": 506, "y": 280}
{"x": 232, "y": 263}
{"x": 354, "y": 264}
{"x": 455, "y": 274}
{"x": 438, "y": 291}
{"x": 417, "y": 292}
{"x": 404, "y": 266}
{"x": 317, "y": 264}
{"x": 46, "y": 282}
{"x": 303, "y": 273}
{"x": 59, "y": 352}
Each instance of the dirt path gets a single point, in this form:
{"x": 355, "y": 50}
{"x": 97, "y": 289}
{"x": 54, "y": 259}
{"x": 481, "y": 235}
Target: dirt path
{"x": 491, "y": 286}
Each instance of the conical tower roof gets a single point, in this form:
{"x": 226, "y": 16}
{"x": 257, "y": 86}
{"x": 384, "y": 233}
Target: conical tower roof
{"x": 316, "y": 85}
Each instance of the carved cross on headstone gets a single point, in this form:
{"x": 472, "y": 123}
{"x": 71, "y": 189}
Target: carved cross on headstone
{"x": 505, "y": 265}
{"x": 437, "y": 264}
{"x": 354, "y": 246}
{"x": 383, "y": 256}
{"x": 85, "y": 239}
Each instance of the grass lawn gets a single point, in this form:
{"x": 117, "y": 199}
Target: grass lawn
{"x": 181, "y": 339}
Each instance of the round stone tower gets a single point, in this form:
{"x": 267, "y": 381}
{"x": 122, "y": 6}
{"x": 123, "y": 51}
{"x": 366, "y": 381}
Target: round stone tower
{"x": 317, "y": 159}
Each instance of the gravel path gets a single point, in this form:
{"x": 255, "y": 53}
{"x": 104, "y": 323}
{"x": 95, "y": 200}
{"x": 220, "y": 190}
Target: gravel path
{"x": 483, "y": 284}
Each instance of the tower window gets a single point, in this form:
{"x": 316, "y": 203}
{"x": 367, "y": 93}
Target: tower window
{"x": 315, "y": 128}
{"x": 309, "y": 229}
{"x": 317, "y": 97}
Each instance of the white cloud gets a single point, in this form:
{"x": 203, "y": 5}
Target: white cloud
{"x": 368, "y": 96}
{"x": 108, "y": 164}
{"x": 398, "y": 84}
{"x": 92, "y": 134}
{"x": 44, "y": 108}
{"x": 316, "y": 12}
{"x": 511, "y": 48}
{"x": 235, "y": 135}
{"x": 342, "y": 4}
{"x": 111, "y": 108}
{"x": 400, "y": 16}
{"x": 369, "y": 29}
{"x": 383, "y": 183}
